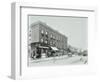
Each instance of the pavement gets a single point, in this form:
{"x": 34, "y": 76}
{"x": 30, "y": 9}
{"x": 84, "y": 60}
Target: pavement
{"x": 60, "y": 61}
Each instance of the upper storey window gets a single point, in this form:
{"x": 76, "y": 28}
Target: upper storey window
{"x": 54, "y": 37}
{"x": 41, "y": 40}
{"x": 46, "y": 33}
{"x": 42, "y": 31}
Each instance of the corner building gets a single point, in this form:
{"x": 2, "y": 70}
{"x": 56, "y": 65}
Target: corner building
{"x": 43, "y": 38}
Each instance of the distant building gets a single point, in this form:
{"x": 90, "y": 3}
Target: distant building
{"x": 43, "y": 38}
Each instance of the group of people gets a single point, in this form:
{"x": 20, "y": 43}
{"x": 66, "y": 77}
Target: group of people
{"x": 37, "y": 53}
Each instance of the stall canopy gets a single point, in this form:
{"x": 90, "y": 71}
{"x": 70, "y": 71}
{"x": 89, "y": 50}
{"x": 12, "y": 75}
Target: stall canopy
{"x": 54, "y": 48}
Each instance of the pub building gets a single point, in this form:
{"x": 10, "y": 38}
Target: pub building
{"x": 45, "y": 41}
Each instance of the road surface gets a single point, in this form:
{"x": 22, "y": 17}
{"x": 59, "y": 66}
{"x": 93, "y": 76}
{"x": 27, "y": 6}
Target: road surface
{"x": 62, "y": 61}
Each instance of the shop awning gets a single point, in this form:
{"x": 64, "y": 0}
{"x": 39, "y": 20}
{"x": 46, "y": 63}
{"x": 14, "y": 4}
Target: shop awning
{"x": 43, "y": 47}
{"x": 54, "y": 48}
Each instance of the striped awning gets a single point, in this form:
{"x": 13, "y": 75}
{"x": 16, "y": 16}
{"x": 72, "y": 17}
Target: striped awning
{"x": 43, "y": 47}
{"x": 54, "y": 48}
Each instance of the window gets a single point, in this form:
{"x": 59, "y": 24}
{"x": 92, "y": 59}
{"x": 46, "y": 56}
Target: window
{"x": 29, "y": 38}
{"x": 42, "y": 31}
{"x": 50, "y": 42}
{"x": 54, "y": 37}
{"x": 51, "y": 36}
{"x": 46, "y": 33}
{"x": 29, "y": 34}
{"x": 41, "y": 40}
{"x": 46, "y": 41}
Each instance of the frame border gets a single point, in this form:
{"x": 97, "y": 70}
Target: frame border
{"x": 16, "y": 10}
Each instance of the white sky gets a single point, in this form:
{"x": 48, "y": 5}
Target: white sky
{"x": 75, "y": 28}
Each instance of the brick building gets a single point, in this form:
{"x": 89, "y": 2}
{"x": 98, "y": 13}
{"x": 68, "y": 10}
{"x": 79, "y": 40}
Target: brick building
{"x": 44, "y": 39}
